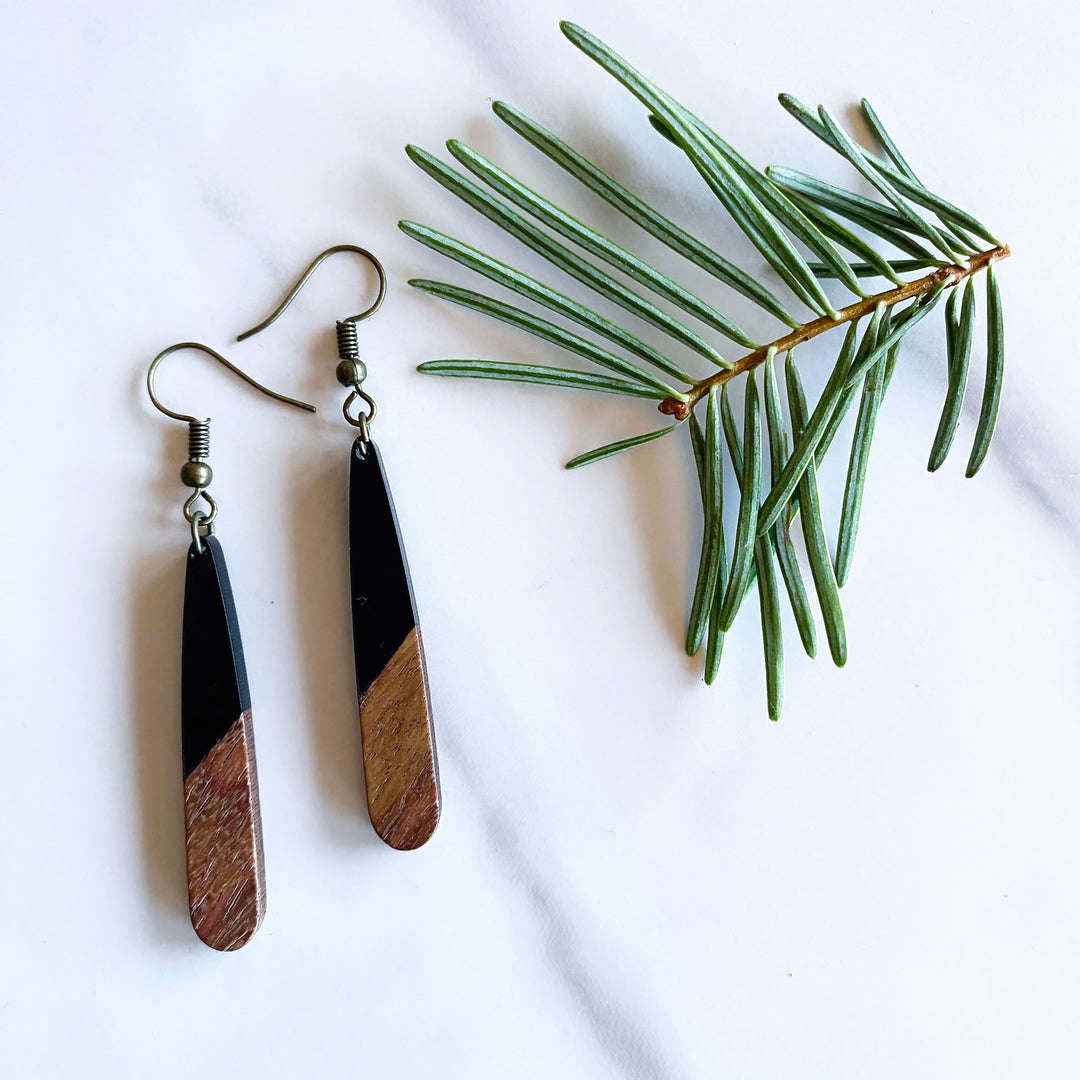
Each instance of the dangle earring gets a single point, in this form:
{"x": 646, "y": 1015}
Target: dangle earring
{"x": 401, "y": 769}
{"x": 226, "y": 883}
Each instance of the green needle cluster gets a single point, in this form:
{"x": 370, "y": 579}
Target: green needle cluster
{"x": 809, "y": 232}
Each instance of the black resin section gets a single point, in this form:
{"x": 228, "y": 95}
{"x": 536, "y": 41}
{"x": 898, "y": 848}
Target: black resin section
{"x": 383, "y": 607}
{"x": 214, "y": 686}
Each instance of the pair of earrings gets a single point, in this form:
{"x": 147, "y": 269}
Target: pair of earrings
{"x": 226, "y": 880}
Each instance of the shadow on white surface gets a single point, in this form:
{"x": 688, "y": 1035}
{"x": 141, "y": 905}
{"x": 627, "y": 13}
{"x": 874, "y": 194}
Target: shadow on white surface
{"x": 157, "y": 592}
{"x": 319, "y": 538}
{"x": 659, "y": 514}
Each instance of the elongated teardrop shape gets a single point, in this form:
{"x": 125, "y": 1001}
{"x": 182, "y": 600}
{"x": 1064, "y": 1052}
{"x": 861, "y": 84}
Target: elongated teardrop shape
{"x": 226, "y": 883}
{"x": 401, "y": 768}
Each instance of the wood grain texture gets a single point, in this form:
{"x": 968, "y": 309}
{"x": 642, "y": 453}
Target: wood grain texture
{"x": 400, "y": 764}
{"x": 226, "y": 882}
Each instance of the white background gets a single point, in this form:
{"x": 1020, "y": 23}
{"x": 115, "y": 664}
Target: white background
{"x": 635, "y": 875}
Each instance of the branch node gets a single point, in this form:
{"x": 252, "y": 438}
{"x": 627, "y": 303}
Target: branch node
{"x": 673, "y": 407}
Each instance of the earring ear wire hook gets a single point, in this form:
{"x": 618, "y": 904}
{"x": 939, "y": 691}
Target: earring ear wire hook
{"x": 154, "y": 364}
{"x": 311, "y": 270}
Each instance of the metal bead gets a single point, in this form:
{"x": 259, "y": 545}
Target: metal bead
{"x": 196, "y": 474}
{"x": 351, "y": 372}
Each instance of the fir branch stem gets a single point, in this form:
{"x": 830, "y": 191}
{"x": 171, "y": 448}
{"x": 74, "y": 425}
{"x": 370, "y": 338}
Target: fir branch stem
{"x": 949, "y": 275}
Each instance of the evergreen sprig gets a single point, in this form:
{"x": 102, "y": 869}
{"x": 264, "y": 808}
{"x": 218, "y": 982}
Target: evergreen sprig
{"x": 802, "y": 227}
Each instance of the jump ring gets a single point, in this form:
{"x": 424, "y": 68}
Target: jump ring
{"x": 207, "y": 519}
{"x": 198, "y": 520}
{"x": 361, "y": 420}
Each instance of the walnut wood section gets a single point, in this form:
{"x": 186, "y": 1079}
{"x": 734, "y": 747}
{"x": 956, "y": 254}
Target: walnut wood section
{"x": 226, "y": 883}
{"x": 400, "y": 765}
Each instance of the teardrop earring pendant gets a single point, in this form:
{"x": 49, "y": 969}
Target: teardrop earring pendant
{"x": 401, "y": 769}
{"x": 222, "y": 823}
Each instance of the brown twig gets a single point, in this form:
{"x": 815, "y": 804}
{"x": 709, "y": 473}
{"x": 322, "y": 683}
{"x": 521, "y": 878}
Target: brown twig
{"x": 953, "y": 274}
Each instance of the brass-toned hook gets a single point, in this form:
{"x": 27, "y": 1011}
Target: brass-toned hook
{"x": 311, "y": 270}
{"x": 231, "y": 366}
